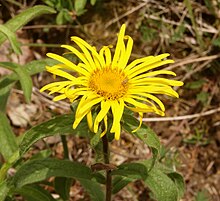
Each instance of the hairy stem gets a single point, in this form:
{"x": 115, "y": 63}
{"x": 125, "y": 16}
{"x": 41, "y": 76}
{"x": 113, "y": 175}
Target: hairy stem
{"x": 108, "y": 172}
{"x": 65, "y": 148}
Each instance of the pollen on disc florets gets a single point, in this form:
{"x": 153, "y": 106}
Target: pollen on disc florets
{"x": 109, "y": 83}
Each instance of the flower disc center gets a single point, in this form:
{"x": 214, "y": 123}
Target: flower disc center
{"x": 109, "y": 83}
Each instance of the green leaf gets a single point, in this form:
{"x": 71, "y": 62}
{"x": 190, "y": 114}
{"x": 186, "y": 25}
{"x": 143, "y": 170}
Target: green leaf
{"x": 7, "y": 82}
{"x": 24, "y": 78}
{"x": 62, "y": 186}
{"x": 144, "y": 133}
{"x": 165, "y": 184}
{"x": 4, "y": 189}
{"x": 93, "y": 188}
{"x": 4, "y": 94}
{"x": 34, "y": 193}
{"x": 202, "y": 195}
{"x": 132, "y": 170}
{"x": 60, "y": 18}
{"x": 175, "y": 177}
{"x": 12, "y": 38}
{"x": 120, "y": 182}
{"x": 42, "y": 154}
{"x": 179, "y": 182}
{"x": 92, "y": 2}
{"x": 79, "y": 6}
{"x": 38, "y": 66}
{"x": 203, "y": 97}
{"x": 216, "y": 42}
{"x": 24, "y": 17}
{"x": 40, "y": 169}
{"x": 58, "y": 125}
{"x": 7, "y": 138}
{"x": 127, "y": 173}
{"x": 162, "y": 186}
{"x": 195, "y": 84}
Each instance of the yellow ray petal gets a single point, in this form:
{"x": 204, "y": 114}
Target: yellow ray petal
{"x": 90, "y": 121}
{"x": 152, "y": 97}
{"x": 156, "y": 80}
{"x": 119, "y": 46}
{"x": 145, "y": 67}
{"x": 108, "y": 57}
{"x": 79, "y": 55}
{"x": 117, "y": 111}
{"x": 90, "y": 48}
{"x": 106, "y": 127}
{"x": 145, "y": 61}
{"x": 105, "y": 105}
{"x": 154, "y": 73}
{"x": 140, "y": 122}
{"x": 62, "y": 73}
{"x": 146, "y": 110}
{"x": 125, "y": 57}
{"x": 54, "y": 84}
{"x": 60, "y": 97}
{"x": 67, "y": 62}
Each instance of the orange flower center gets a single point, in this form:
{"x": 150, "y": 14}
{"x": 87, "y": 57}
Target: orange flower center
{"x": 111, "y": 84}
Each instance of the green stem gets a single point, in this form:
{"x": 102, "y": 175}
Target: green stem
{"x": 65, "y": 148}
{"x": 108, "y": 172}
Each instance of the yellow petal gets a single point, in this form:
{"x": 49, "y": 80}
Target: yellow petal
{"x": 119, "y": 46}
{"x": 117, "y": 111}
{"x": 67, "y": 62}
{"x": 124, "y": 58}
{"x": 106, "y": 127}
{"x": 108, "y": 57}
{"x": 54, "y": 84}
{"x": 60, "y": 97}
{"x": 140, "y": 122}
{"x": 79, "y": 41}
{"x": 156, "y": 80}
{"x": 154, "y": 73}
{"x": 89, "y": 121}
{"x": 145, "y": 67}
{"x": 105, "y": 105}
{"x": 79, "y": 55}
{"x": 152, "y": 97}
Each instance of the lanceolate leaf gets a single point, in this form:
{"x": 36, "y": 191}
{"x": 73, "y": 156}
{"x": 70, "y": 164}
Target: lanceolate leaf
{"x": 144, "y": 133}
{"x": 164, "y": 183}
{"x": 7, "y": 82}
{"x": 162, "y": 186}
{"x": 93, "y": 188}
{"x": 24, "y": 78}
{"x": 4, "y": 189}
{"x": 41, "y": 169}
{"x": 58, "y": 125}
{"x": 62, "y": 186}
{"x": 24, "y": 17}
{"x": 7, "y": 138}
{"x": 120, "y": 182}
{"x": 4, "y": 94}
{"x": 35, "y": 193}
{"x": 12, "y": 38}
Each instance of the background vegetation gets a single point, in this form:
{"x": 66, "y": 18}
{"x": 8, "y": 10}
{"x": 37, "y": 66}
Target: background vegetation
{"x": 188, "y": 30}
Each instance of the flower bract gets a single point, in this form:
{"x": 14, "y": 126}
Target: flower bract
{"x": 109, "y": 81}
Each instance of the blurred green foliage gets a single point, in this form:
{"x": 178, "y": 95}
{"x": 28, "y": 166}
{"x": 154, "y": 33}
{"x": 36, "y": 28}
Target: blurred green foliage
{"x": 68, "y": 9}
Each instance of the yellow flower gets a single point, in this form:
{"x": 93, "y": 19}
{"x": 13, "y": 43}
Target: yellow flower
{"x": 109, "y": 81}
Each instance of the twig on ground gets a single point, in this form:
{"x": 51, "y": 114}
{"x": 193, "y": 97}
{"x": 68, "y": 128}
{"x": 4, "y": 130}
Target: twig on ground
{"x": 191, "y": 60}
{"x": 185, "y": 117}
{"x": 125, "y": 14}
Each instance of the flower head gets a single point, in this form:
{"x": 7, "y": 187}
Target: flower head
{"x": 109, "y": 81}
